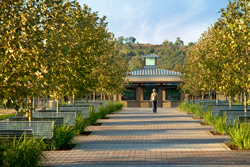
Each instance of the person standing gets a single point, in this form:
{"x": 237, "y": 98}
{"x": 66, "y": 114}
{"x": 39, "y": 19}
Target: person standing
{"x": 154, "y": 100}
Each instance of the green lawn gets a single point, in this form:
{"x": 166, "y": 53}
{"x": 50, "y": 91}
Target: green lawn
{"x": 6, "y": 116}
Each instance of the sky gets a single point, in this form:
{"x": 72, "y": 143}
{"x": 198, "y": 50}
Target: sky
{"x": 153, "y": 21}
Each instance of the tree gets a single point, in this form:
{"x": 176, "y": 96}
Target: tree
{"x": 23, "y": 66}
{"x": 190, "y": 44}
{"x": 131, "y": 40}
{"x": 165, "y": 43}
{"x": 135, "y": 63}
{"x": 179, "y": 42}
{"x": 120, "y": 40}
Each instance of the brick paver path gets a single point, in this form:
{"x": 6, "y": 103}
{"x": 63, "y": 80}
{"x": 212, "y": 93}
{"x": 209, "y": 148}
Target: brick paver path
{"x": 137, "y": 137}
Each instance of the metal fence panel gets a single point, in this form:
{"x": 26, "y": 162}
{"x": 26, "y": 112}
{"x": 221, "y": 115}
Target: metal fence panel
{"x": 217, "y": 110}
{"x": 69, "y": 117}
{"x": 57, "y": 121}
{"x": 42, "y": 129}
{"x": 233, "y": 115}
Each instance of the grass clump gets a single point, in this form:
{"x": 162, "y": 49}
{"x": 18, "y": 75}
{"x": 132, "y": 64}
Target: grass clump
{"x": 199, "y": 111}
{"x": 63, "y": 136}
{"x": 240, "y": 135}
{"x": 208, "y": 116}
{"x": 219, "y": 124}
{"x": 81, "y": 123}
{"x": 93, "y": 116}
{"x": 102, "y": 112}
{"x": 22, "y": 152}
{"x": 192, "y": 108}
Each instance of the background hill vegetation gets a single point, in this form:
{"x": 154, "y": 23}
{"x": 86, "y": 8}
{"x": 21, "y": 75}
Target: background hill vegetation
{"x": 171, "y": 54}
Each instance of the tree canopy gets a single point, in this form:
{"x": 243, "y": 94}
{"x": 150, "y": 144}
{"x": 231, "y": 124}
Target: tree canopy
{"x": 58, "y": 48}
{"x": 220, "y": 59}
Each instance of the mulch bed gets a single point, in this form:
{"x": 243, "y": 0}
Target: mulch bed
{"x": 97, "y": 124}
{"x": 214, "y": 132}
{"x": 204, "y": 124}
{"x": 196, "y": 118}
{"x": 189, "y": 113}
{"x": 67, "y": 147}
{"x": 86, "y": 133}
{"x": 234, "y": 147}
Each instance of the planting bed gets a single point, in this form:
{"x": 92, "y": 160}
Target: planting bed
{"x": 97, "y": 124}
{"x": 204, "y": 124}
{"x": 86, "y": 133}
{"x": 213, "y": 132}
{"x": 67, "y": 147}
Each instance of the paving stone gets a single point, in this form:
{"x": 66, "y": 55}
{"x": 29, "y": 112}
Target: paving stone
{"x": 137, "y": 137}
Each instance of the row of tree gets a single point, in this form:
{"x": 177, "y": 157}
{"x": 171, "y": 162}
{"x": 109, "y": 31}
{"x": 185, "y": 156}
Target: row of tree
{"x": 129, "y": 40}
{"x": 221, "y": 59}
{"x": 57, "y": 48}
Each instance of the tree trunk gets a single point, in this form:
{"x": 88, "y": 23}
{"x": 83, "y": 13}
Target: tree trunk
{"x": 86, "y": 98}
{"x": 31, "y": 109}
{"x": 94, "y": 96}
{"x": 45, "y": 102}
{"x": 209, "y": 93}
{"x": 57, "y": 105}
{"x": 104, "y": 97}
{"x": 74, "y": 100}
{"x": 230, "y": 101}
{"x": 202, "y": 94}
{"x": 217, "y": 97}
{"x": 38, "y": 102}
{"x": 245, "y": 101}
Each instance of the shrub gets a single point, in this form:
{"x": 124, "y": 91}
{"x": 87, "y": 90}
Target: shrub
{"x": 93, "y": 116}
{"x": 240, "y": 135}
{"x": 208, "y": 116}
{"x": 102, "y": 112}
{"x": 81, "y": 123}
{"x": 24, "y": 152}
{"x": 63, "y": 136}
{"x": 199, "y": 111}
{"x": 3, "y": 149}
{"x": 220, "y": 124}
{"x": 113, "y": 106}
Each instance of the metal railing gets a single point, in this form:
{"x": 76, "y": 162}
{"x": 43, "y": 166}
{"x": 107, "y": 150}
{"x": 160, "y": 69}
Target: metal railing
{"x": 41, "y": 129}
{"x": 69, "y": 117}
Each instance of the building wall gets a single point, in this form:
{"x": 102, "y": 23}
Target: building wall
{"x": 146, "y": 104}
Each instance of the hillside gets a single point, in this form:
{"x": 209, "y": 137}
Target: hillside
{"x": 170, "y": 56}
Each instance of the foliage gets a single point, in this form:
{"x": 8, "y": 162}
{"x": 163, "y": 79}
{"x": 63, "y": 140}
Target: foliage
{"x": 199, "y": 112}
{"x": 25, "y": 152}
{"x": 240, "y": 135}
{"x": 170, "y": 55}
{"x": 192, "y": 108}
{"x": 220, "y": 59}
{"x": 208, "y": 118}
{"x": 220, "y": 124}
{"x": 71, "y": 54}
{"x": 102, "y": 112}
{"x": 81, "y": 123}
{"x": 135, "y": 63}
{"x": 6, "y": 116}
{"x": 93, "y": 116}
{"x": 63, "y": 136}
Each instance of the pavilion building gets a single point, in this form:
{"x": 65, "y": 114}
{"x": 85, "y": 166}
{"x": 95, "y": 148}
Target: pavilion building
{"x": 142, "y": 81}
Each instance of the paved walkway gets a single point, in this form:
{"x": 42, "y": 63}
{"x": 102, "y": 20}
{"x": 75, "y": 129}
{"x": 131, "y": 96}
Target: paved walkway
{"x": 137, "y": 137}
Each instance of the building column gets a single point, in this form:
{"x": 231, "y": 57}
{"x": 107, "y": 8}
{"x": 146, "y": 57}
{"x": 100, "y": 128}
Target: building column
{"x": 161, "y": 96}
{"x": 139, "y": 96}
